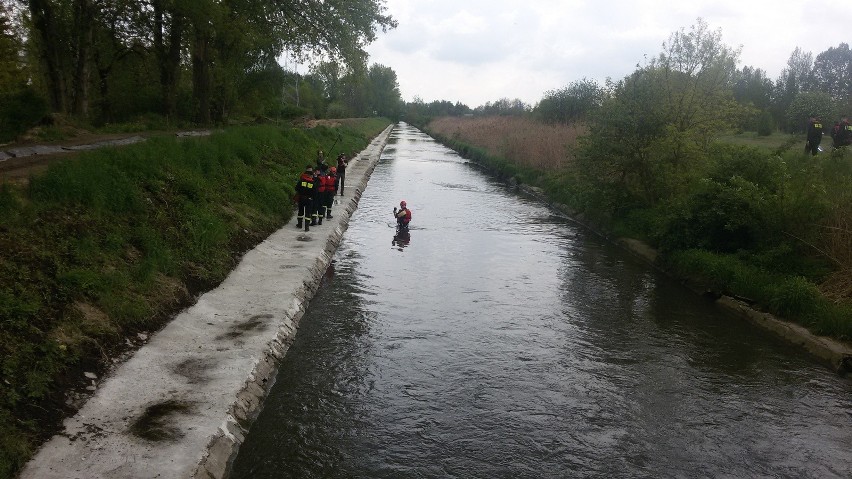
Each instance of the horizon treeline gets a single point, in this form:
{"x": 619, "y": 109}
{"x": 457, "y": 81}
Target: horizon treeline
{"x": 820, "y": 85}
{"x": 182, "y": 62}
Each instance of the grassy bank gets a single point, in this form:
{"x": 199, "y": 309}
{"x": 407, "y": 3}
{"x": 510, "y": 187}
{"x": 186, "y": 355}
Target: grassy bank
{"x": 114, "y": 242}
{"x": 762, "y": 222}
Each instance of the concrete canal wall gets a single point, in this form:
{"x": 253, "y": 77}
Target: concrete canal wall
{"x": 180, "y": 407}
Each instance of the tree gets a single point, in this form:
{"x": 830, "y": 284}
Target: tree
{"x": 12, "y": 69}
{"x": 384, "y": 91}
{"x": 832, "y": 72}
{"x": 649, "y": 140}
{"x": 571, "y": 103}
{"x": 795, "y": 78}
{"x": 806, "y": 104}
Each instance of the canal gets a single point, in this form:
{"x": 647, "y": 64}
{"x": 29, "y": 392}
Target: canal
{"x": 503, "y": 341}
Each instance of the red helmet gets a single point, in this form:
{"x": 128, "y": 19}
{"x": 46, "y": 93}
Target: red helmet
{"x": 402, "y": 203}
{"x": 333, "y": 170}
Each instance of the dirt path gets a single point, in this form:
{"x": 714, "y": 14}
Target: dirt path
{"x": 19, "y": 161}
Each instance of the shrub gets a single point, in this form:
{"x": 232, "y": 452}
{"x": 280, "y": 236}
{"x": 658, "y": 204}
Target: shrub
{"x": 20, "y": 111}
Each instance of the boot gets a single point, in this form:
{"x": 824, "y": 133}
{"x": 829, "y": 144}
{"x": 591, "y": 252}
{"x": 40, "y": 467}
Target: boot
{"x": 328, "y": 215}
{"x": 319, "y": 221}
{"x": 313, "y": 222}
{"x": 299, "y": 223}
{"x": 307, "y": 226}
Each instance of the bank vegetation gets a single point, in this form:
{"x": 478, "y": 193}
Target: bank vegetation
{"x": 111, "y": 244}
{"x": 662, "y": 156}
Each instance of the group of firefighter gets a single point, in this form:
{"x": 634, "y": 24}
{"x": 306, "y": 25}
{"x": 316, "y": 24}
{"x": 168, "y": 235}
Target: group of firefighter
{"x": 316, "y": 188}
{"x": 841, "y": 134}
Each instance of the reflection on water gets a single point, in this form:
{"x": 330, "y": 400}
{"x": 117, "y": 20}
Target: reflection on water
{"x": 505, "y": 342}
{"x": 401, "y": 239}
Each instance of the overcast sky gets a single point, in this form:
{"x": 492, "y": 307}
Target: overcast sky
{"x": 476, "y": 51}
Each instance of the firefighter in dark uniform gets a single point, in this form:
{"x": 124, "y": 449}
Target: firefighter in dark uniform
{"x": 306, "y": 192}
{"x": 844, "y": 133}
{"x": 814, "y": 135}
{"x": 341, "y": 171}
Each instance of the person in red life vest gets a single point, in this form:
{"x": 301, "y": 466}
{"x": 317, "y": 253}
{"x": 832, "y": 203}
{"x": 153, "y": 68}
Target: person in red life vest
{"x": 316, "y": 206}
{"x": 403, "y": 215}
{"x": 341, "y": 170}
{"x": 305, "y": 197}
{"x": 329, "y": 180}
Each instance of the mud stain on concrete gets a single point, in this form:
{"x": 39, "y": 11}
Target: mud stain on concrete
{"x": 254, "y": 323}
{"x": 155, "y": 424}
{"x": 194, "y": 370}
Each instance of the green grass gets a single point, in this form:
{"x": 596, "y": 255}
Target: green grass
{"x": 789, "y": 296}
{"x": 115, "y": 241}
{"x": 776, "y": 141}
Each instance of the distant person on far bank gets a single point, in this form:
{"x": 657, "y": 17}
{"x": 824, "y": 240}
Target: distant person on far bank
{"x": 814, "y": 135}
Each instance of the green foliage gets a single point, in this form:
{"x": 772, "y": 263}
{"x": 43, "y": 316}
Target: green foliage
{"x": 789, "y": 296}
{"x": 572, "y": 103}
{"x": 806, "y": 104}
{"x": 123, "y": 231}
{"x": 765, "y": 124}
{"x": 20, "y": 110}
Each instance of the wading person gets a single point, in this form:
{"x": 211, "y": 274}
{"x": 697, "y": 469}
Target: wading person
{"x": 814, "y": 135}
{"x": 305, "y": 197}
{"x": 403, "y": 216}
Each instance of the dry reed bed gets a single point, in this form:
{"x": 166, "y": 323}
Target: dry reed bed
{"x": 523, "y": 141}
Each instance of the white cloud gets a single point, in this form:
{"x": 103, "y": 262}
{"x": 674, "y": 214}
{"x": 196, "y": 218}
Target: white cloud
{"x": 482, "y": 50}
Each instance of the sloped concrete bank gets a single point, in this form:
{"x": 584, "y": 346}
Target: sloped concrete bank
{"x": 180, "y": 407}
{"x": 835, "y": 354}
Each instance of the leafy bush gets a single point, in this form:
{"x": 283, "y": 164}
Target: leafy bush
{"x": 765, "y": 124}
{"x": 20, "y": 111}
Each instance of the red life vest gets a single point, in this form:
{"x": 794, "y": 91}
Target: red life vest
{"x": 407, "y": 216}
{"x": 326, "y": 183}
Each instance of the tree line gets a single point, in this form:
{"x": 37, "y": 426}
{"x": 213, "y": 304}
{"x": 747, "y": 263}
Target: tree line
{"x": 809, "y": 84}
{"x": 188, "y": 61}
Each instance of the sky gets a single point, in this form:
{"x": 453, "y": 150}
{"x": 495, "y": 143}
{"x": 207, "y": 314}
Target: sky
{"x": 476, "y": 51}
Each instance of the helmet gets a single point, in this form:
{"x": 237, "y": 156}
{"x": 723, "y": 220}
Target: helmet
{"x": 333, "y": 170}
{"x": 402, "y": 203}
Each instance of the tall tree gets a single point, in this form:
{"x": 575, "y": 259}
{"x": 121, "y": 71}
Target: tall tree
{"x": 46, "y": 17}
{"x": 650, "y": 137}
{"x": 384, "y": 91}
{"x": 571, "y": 103}
{"x": 832, "y": 72}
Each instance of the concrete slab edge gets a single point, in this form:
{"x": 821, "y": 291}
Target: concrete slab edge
{"x": 835, "y": 354}
{"x": 222, "y": 449}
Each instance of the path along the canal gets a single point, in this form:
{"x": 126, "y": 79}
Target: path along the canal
{"x": 504, "y": 341}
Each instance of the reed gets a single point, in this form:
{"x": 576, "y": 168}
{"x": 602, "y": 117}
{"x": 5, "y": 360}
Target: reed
{"x": 521, "y": 140}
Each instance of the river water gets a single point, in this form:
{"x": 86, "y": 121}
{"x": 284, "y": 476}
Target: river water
{"x": 502, "y": 341}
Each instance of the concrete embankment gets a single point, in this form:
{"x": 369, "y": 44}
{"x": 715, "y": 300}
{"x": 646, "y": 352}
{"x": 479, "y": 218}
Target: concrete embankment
{"x": 835, "y": 354}
{"x": 179, "y": 408}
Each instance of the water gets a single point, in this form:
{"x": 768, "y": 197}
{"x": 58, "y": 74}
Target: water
{"x": 502, "y": 341}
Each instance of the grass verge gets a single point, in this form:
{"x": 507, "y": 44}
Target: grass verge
{"x": 116, "y": 241}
